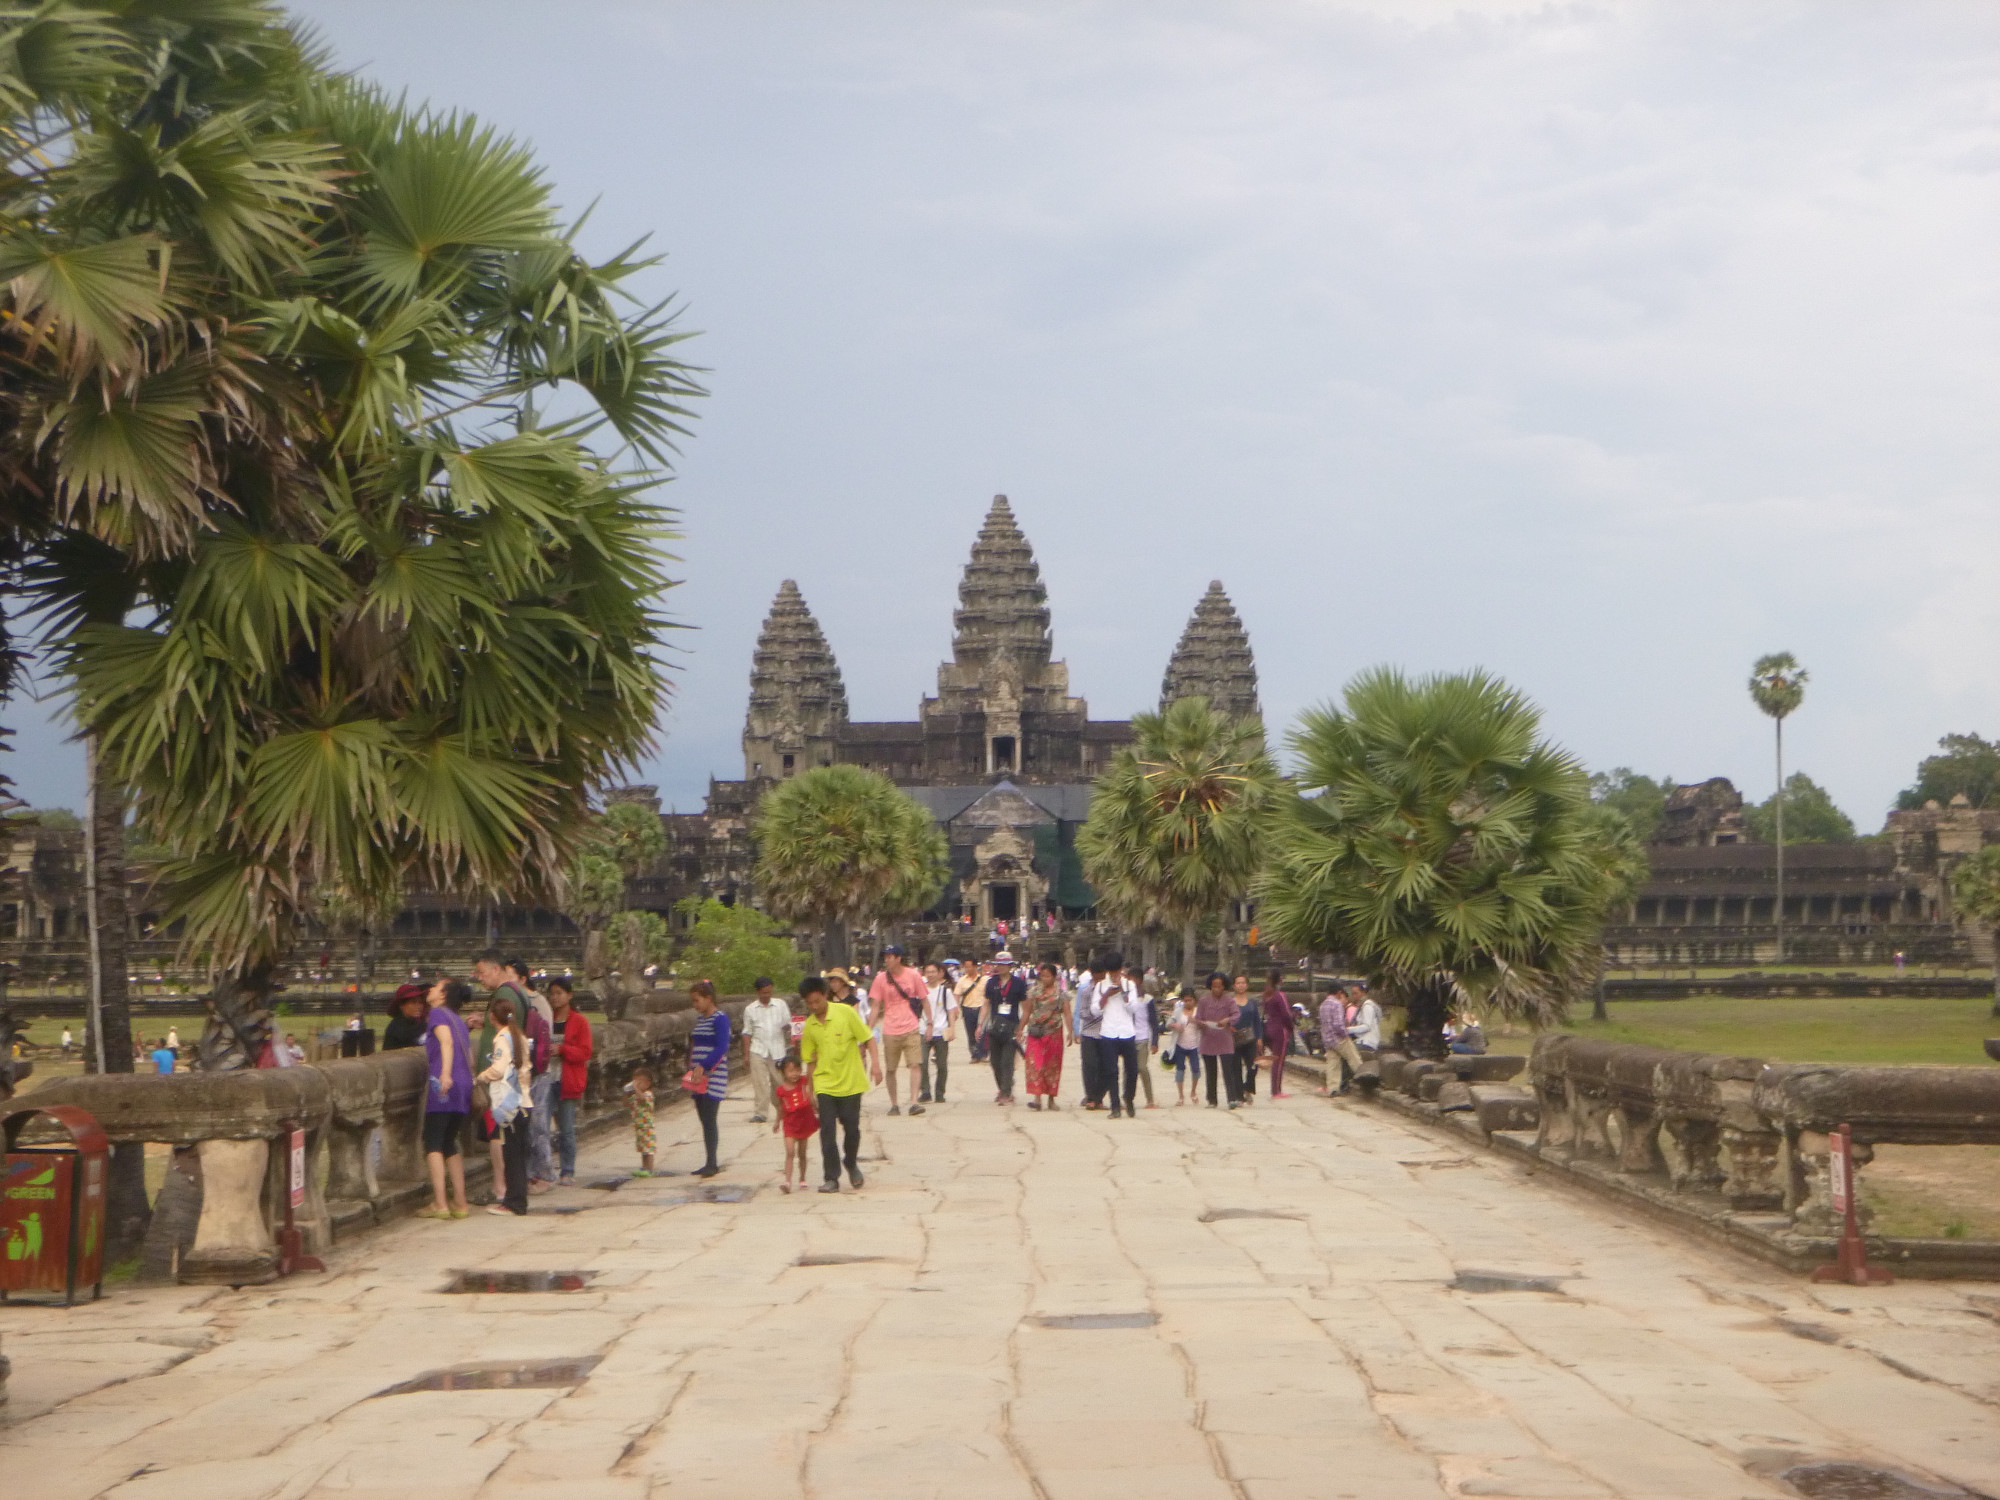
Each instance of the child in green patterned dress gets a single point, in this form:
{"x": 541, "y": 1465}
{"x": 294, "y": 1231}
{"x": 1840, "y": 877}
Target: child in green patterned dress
{"x": 639, "y": 1096}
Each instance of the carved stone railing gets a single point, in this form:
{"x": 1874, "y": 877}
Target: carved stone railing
{"x": 1736, "y": 1144}
{"x": 363, "y": 1119}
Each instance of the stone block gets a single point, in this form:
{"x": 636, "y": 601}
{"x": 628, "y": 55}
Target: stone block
{"x": 1451, "y": 1093}
{"x": 1501, "y": 1106}
{"x": 1389, "y": 1068}
{"x": 1490, "y": 1067}
{"x": 1413, "y": 1074}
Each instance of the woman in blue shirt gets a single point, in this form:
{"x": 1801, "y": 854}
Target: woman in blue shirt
{"x": 708, "y": 1050}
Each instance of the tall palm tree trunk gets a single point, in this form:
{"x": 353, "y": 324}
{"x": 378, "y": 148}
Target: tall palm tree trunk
{"x": 108, "y": 1045}
{"x": 1190, "y": 959}
{"x": 1778, "y": 809}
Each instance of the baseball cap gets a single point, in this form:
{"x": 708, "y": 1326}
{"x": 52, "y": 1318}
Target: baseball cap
{"x": 895, "y": 948}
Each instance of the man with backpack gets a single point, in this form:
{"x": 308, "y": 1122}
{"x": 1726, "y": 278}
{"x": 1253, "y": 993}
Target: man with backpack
{"x": 509, "y": 977}
{"x": 900, "y": 999}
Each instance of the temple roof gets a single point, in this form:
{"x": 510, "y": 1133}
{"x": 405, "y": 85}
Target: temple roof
{"x": 1001, "y": 600}
{"x": 1213, "y": 660}
{"x": 793, "y": 660}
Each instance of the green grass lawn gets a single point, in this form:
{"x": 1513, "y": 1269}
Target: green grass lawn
{"x": 1844, "y": 1031}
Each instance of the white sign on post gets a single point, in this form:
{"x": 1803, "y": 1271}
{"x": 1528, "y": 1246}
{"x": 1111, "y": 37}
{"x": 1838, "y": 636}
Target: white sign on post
{"x": 298, "y": 1168}
{"x": 1837, "y": 1162}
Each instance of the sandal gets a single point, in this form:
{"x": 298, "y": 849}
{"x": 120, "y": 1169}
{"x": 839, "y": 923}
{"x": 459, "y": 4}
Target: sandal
{"x": 432, "y": 1213}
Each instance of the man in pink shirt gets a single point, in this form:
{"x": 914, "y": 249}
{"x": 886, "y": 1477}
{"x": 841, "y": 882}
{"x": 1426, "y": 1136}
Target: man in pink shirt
{"x": 897, "y": 999}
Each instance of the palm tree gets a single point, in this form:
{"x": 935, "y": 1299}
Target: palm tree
{"x": 397, "y": 626}
{"x": 1622, "y": 858}
{"x": 1445, "y": 846}
{"x": 1178, "y": 820}
{"x": 621, "y": 841}
{"x": 1975, "y": 892}
{"x": 1777, "y": 686}
{"x": 838, "y": 847}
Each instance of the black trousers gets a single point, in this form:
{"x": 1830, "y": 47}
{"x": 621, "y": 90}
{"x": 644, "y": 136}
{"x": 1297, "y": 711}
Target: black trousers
{"x": 1002, "y": 1045}
{"x": 1246, "y": 1068}
{"x": 1231, "y": 1068}
{"x": 1113, "y": 1054}
{"x": 708, "y": 1109}
{"x": 1092, "y": 1059}
{"x": 514, "y": 1163}
{"x": 844, "y": 1111}
{"x": 974, "y": 1047}
{"x": 934, "y": 1056}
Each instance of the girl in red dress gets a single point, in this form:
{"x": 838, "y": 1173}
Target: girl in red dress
{"x": 798, "y": 1117}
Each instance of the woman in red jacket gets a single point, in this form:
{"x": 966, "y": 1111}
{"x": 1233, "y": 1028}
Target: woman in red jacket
{"x": 572, "y": 1059}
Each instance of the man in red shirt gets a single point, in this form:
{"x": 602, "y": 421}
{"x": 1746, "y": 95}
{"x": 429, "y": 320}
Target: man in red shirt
{"x": 897, "y": 999}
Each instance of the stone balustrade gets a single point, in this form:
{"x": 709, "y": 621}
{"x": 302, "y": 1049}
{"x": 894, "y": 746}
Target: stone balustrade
{"x": 363, "y": 1120}
{"x": 1737, "y": 1145}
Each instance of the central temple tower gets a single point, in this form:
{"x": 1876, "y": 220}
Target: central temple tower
{"x": 1002, "y": 704}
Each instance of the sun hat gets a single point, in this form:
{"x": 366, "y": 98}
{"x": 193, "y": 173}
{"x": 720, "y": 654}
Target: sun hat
{"x": 1003, "y": 957}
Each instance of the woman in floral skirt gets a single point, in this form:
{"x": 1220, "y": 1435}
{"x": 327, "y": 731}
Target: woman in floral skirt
{"x": 1047, "y": 1034}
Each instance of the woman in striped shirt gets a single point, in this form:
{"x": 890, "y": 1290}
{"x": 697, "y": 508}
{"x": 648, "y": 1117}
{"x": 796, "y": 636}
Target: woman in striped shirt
{"x": 708, "y": 1050}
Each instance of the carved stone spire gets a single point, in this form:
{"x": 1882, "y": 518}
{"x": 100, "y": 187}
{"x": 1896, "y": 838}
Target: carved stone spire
{"x": 1213, "y": 660}
{"x": 1000, "y": 632}
{"x": 797, "y": 701}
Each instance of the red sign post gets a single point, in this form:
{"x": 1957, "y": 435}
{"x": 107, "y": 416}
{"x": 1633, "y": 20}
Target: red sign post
{"x": 291, "y": 1243}
{"x": 52, "y": 1201}
{"x": 1851, "y": 1255}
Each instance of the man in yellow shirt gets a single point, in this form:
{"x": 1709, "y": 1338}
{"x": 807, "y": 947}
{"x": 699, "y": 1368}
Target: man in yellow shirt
{"x": 831, "y": 1046}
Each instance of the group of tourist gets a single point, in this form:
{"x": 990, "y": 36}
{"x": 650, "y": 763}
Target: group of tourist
{"x": 519, "y": 1083}
{"x": 809, "y": 1067}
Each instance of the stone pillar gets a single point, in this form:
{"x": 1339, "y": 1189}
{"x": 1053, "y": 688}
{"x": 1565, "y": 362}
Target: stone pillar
{"x": 352, "y": 1150}
{"x": 1809, "y": 1182}
{"x": 232, "y": 1241}
{"x": 1752, "y": 1175}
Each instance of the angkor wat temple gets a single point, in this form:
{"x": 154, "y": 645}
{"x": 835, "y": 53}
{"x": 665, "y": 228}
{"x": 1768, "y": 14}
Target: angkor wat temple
{"x": 1003, "y": 755}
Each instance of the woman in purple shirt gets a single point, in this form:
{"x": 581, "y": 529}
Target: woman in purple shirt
{"x": 1215, "y": 1014}
{"x": 1277, "y": 1029}
{"x": 708, "y": 1049}
{"x": 448, "y": 1060}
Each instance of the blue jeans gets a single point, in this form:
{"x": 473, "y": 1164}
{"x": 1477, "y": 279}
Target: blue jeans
{"x": 566, "y": 1134}
{"x": 541, "y": 1160}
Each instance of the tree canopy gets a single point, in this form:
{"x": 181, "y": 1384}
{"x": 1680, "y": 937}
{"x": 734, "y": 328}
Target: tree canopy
{"x": 1967, "y": 765}
{"x": 339, "y": 604}
{"x": 839, "y": 847}
{"x": 1641, "y": 800}
{"x": 1443, "y": 845}
{"x": 1810, "y": 815}
{"x": 733, "y": 946}
{"x": 1178, "y": 821}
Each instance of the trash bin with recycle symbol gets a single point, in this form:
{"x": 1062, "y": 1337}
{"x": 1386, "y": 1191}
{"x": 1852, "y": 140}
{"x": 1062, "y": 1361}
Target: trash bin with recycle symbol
{"x": 52, "y": 1200}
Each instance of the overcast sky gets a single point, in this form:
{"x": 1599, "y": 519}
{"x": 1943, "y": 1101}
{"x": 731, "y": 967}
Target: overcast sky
{"x": 1607, "y": 346}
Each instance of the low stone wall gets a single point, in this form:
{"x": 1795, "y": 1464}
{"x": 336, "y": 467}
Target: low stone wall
{"x": 1734, "y": 1148}
{"x": 363, "y": 1119}
{"x": 1799, "y": 987}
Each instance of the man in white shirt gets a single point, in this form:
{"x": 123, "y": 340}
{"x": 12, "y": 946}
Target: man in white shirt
{"x": 767, "y": 1037}
{"x": 1119, "y": 1010}
{"x": 935, "y": 1030}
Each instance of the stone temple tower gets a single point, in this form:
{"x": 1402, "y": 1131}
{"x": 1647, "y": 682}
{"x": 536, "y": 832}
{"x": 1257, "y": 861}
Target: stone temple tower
{"x": 1000, "y": 684}
{"x": 1213, "y": 660}
{"x": 798, "y": 704}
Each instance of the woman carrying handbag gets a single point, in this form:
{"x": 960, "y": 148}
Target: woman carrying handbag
{"x": 707, "y": 1077}
{"x": 508, "y": 1107}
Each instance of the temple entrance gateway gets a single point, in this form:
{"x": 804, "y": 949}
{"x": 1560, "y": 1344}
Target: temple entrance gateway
{"x": 1006, "y": 902}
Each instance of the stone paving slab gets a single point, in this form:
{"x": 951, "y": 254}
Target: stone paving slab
{"x": 1291, "y": 1268}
